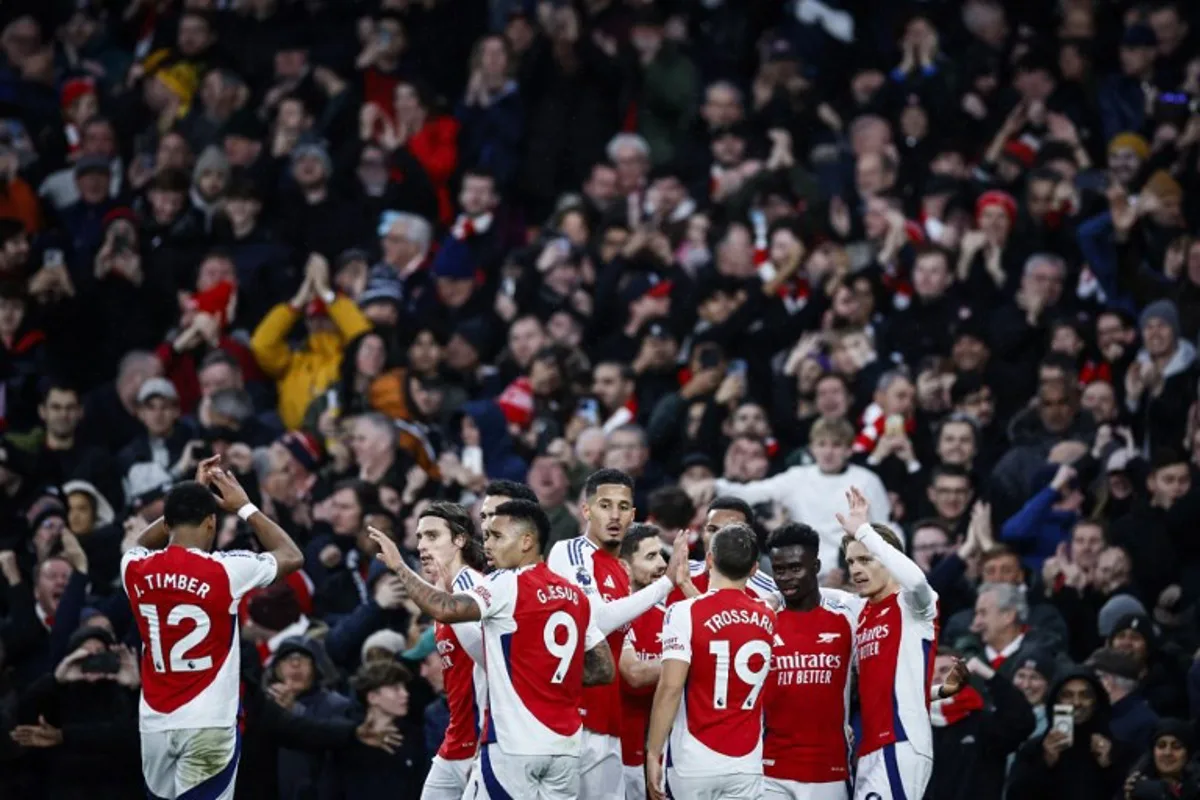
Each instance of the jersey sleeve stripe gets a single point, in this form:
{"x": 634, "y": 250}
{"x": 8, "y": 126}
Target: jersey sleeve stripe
{"x": 763, "y": 582}
{"x": 573, "y": 553}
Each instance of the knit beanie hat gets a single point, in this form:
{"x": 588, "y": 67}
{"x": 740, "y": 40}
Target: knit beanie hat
{"x": 1164, "y": 310}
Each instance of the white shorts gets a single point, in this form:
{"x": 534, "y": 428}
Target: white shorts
{"x": 894, "y": 772}
{"x": 447, "y": 780}
{"x": 500, "y": 776}
{"x": 635, "y": 783}
{"x": 776, "y": 789}
{"x": 200, "y": 762}
{"x": 601, "y": 772}
{"x": 714, "y": 787}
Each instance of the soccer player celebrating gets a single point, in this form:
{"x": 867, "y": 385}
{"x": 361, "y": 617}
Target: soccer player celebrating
{"x": 724, "y": 511}
{"x": 591, "y": 562}
{"x": 716, "y": 652}
{"x": 640, "y": 662}
{"x": 185, "y": 601}
{"x": 810, "y": 675}
{"x": 540, "y": 646}
{"x": 447, "y": 545}
{"x": 894, "y": 645}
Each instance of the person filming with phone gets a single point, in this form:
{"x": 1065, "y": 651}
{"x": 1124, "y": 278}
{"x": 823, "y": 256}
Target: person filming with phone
{"x": 1077, "y": 757}
{"x": 81, "y": 720}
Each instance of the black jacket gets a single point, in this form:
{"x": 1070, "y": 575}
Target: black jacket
{"x": 1076, "y": 775}
{"x": 970, "y": 756}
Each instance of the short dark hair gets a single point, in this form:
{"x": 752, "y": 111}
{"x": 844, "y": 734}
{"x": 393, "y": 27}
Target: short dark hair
{"x": 510, "y": 489}
{"x": 671, "y": 506}
{"x": 950, "y": 471}
{"x": 936, "y": 524}
{"x": 220, "y": 357}
{"x": 728, "y": 503}
{"x": 532, "y": 515}
{"x": 365, "y": 494}
{"x": 795, "y": 534}
{"x": 376, "y": 675}
{"x": 189, "y": 503}
{"x": 459, "y": 521}
{"x": 734, "y": 551}
{"x": 637, "y": 533}
{"x": 605, "y": 477}
{"x": 1163, "y": 457}
{"x": 57, "y": 383}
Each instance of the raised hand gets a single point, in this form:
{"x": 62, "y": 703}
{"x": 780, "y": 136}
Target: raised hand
{"x": 677, "y": 568}
{"x": 389, "y": 554}
{"x": 204, "y": 468}
{"x": 232, "y": 496}
{"x": 955, "y": 680}
{"x": 859, "y": 512}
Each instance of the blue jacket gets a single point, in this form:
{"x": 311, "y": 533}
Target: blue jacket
{"x": 1037, "y": 529}
{"x": 500, "y": 459}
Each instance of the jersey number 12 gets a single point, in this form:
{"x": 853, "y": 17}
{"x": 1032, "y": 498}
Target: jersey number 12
{"x": 755, "y": 678}
{"x": 180, "y": 662}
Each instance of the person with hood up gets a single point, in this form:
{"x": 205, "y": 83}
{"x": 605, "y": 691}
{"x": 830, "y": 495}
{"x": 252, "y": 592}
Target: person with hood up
{"x": 1087, "y": 764}
{"x": 332, "y": 320}
{"x": 972, "y": 737}
{"x": 297, "y": 679}
{"x": 1167, "y": 771}
{"x": 1160, "y": 385}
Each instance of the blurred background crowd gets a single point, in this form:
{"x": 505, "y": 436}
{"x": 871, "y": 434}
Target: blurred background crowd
{"x": 382, "y": 252}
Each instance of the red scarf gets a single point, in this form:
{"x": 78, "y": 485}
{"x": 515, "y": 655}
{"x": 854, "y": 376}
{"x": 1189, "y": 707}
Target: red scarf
{"x": 955, "y": 709}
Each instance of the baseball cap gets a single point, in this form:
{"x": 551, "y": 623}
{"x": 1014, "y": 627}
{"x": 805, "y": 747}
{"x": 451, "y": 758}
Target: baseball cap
{"x": 157, "y": 387}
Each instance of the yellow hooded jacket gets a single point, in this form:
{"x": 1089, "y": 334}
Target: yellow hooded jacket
{"x": 301, "y": 375}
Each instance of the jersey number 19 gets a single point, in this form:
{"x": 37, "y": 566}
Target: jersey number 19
{"x": 754, "y": 678}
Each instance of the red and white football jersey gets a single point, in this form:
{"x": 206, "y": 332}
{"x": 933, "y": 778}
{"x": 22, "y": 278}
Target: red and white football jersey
{"x": 894, "y": 645}
{"x": 810, "y": 681}
{"x": 726, "y": 638}
{"x": 645, "y": 640}
{"x": 603, "y": 578}
{"x": 760, "y": 585}
{"x": 536, "y": 627}
{"x": 461, "y": 648}
{"x": 185, "y": 603}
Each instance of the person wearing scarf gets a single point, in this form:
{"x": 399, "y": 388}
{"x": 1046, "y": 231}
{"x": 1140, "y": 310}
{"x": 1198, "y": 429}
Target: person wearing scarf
{"x": 1166, "y": 772}
{"x": 973, "y": 736}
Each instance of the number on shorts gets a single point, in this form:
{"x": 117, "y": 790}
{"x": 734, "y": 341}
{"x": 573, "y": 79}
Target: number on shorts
{"x": 563, "y": 652}
{"x": 180, "y": 662}
{"x": 755, "y": 679}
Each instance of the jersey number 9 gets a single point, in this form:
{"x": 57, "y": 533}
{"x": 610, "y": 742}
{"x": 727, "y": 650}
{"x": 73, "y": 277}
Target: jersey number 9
{"x": 564, "y": 651}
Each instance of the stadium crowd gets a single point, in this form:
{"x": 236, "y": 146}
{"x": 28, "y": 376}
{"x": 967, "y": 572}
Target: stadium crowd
{"x": 381, "y": 253}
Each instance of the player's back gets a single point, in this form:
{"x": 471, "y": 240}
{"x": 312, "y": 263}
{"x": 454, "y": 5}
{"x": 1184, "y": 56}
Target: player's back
{"x": 185, "y": 604}
{"x": 809, "y": 681}
{"x": 460, "y": 649}
{"x": 894, "y": 649}
{"x": 726, "y": 636}
{"x": 534, "y": 656}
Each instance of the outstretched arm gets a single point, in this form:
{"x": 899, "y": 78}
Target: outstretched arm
{"x": 441, "y": 605}
{"x": 916, "y": 589}
{"x": 618, "y": 613}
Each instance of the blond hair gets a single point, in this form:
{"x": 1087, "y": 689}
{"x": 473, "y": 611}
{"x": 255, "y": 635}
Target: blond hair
{"x": 839, "y": 430}
{"x": 884, "y": 531}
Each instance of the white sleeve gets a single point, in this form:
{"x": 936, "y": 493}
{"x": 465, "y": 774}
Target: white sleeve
{"x": 497, "y": 596}
{"x": 677, "y": 633}
{"x": 578, "y": 570}
{"x": 133, "y": 554}
{"x": 593, "y": 636}
{"x": 763, "y": 586}
{"x": 773, "y": 488}
{"x": 470, "y": 636}
{"x": 247, "y": 570}
{"x": 914, "y": 586}
{"x": 615, "y": 614}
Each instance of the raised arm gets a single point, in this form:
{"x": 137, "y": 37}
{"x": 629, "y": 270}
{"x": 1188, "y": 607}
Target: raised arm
{"x": 618, "y": 613}
{"x": 913, "y": 583}
{"x": 274, "y": 539}
{"x": 441, "y": 605}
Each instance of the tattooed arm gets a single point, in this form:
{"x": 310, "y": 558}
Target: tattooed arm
{"x": 598, "y": 665}
{"x": 437, "y": 603}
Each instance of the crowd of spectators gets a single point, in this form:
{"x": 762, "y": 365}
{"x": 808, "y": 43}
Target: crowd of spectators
{"x": 381, "y": 252}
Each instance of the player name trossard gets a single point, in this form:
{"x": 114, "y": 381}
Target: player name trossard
{"x": 732, "y": 616}
{"x": 172, "y": 580}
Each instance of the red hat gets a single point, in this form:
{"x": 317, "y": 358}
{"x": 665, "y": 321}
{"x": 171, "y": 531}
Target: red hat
{"x": 997, "y": 198}
{"x": 516, "y": 402}
{"x": 120, "y": 212}
{"x": 215, "y": 300}
{"x": 76, "y": 88}
{"x": 1021, "y": 152}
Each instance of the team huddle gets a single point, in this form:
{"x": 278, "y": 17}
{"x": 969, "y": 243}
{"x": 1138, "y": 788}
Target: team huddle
{"x": 598, "y": 669}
